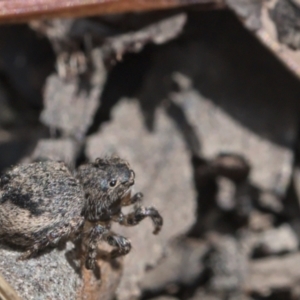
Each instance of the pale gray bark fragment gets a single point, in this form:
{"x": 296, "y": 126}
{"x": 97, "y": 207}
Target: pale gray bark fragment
{"x": 163, "y": 173}
{"x": 48, "y": 276}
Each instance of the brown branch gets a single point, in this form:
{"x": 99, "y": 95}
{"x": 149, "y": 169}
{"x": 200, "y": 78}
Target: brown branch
{"x": 6, "y": 291}
{"x": 25, "y": 10}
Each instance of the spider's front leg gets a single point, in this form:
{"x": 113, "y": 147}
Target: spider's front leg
{"x": 99, "y": 233}
{"x": 140, "y": 213}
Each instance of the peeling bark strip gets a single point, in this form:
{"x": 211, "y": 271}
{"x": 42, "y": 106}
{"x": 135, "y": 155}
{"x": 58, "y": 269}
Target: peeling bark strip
{"x": 24, "y": 10}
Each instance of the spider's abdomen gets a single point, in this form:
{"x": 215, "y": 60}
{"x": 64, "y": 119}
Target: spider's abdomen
{"x": 36, "y": 199}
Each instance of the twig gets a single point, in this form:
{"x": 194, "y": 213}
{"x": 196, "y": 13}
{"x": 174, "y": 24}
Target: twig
{"x": 6, "y": 291}
{"x": 25, "y": 10}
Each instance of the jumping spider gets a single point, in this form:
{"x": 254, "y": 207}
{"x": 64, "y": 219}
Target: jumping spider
{"x": 43, "y": 203}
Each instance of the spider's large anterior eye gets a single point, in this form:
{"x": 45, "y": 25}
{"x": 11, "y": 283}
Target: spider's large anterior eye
{"x": 113, "y": 183}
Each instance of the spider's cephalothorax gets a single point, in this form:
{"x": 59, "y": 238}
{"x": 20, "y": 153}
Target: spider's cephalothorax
{"x": 43, "y": 203}
{"x": 105, "y": 182}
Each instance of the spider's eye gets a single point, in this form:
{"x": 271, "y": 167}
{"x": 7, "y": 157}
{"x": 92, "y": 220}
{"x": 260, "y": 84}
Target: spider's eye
{"x": 113, "y": 183}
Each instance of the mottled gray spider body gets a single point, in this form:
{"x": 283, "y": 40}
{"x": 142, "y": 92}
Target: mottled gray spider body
{"x": 43, "y": 203}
